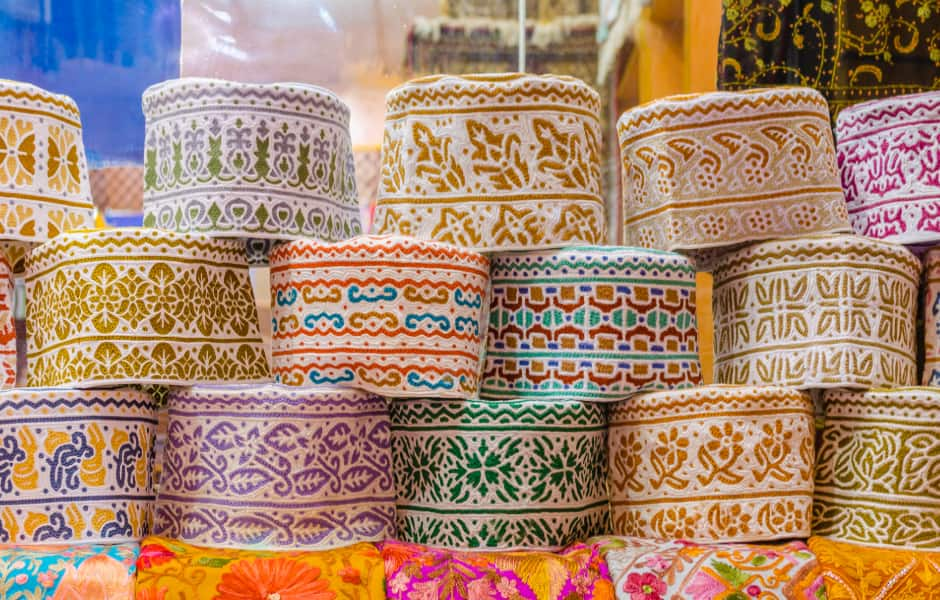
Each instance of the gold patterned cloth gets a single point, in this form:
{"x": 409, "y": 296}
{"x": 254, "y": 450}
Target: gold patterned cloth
{"x": 875, "y": 473}
{"x": 44, "y": 187}
{"x": 75, "y": 465}
{"x": 850, "y": 50}
{"x": 123, "y": 306}
{"x": 713, "y": 464}
{"x": 817, "y": 312}
{"x": 931, "y": 375}
{"x": 493, "y": 162}
{"x": 718, "y": 169}
{"x": 859, "y": 572}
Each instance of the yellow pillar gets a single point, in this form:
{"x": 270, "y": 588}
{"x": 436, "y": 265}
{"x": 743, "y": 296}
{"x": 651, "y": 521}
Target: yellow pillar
{"x": 702, "y": 25}
{"x": 659, "y": 56}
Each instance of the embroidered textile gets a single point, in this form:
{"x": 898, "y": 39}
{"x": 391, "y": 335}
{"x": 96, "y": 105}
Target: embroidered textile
{"x": 594, "y": 323}
{"x": 654, "y": 570}
{"x": 719, "y": 169}
{"x": 75, "y": 465}
{"x": 270, "y": 161}
{"x": 395, "y": 316}
{"x": 493, "y": 162}
{"x": 44, "y": 187}
{"x": 276, "y": 467}
{"x": 932, "y": 318}
{"x": 171, "y": 570}
{"x": 499, "y": 475}
{"x": 79, "y": 572}
{"x": 713, "y": 464}
{"x": 8, "y": 356}
{"x": 857, "y": 572}
{"x": 888, "y": 152}
{"x": 817, "y": 312}
{"x": 874, "y": 472}
{"x": 850, "y": 50}
{"x": 508, "y": 9}
{"x": 414, "y": 572}
{"x": 141, "y": 306}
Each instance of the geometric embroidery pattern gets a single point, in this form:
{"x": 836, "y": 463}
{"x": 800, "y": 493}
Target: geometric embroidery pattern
{"x": 249, "y": 161}
{"x": 392, "y": 315}
{"x": 719, "y": 169}
{"x": 75, "y": 466}
{"x": 817, "y": 312}
{"x": 713, "y": 464}
{"x": 128, "y": 305}
{"x": 500, "y": 475}
{"x": 44, "y": 187}
{"x": 876, "y": 473}
{"x": 888, "y": 155}
{"x": 593, "y": 323}
{"x": 932, "y": 318}
{"x": 276, "y": 467}
{"x": 493, "y": 162}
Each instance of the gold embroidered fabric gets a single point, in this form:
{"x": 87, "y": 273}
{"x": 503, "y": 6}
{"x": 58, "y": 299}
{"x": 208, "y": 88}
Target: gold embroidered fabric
{"x": 76, "y": 465}
{"x": 857, "y": 572}
{"x": 493, "y": 162}
{"x": 718, "y": 169}
{"x": 931, "y": 375}
{"x": 44, "y": 187}
{"x": 122, "y": 306}
{"x": 817, "y": 312}
{"x": 713, "y": 464}
{"x": 850, "y": 50}
{"x": 875, "y": 473}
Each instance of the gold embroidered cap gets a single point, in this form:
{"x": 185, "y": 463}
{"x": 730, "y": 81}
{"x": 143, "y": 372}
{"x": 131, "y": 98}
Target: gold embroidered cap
{"x": 44, "y": 188}
{"x": 129, "y": 305}
{"x": 817, "y": 312}
{"x": 723, "y": 168}
{"x": 713, "y": 464}
{"x": 493, "y": 162}
{"x": 876, "y": 470}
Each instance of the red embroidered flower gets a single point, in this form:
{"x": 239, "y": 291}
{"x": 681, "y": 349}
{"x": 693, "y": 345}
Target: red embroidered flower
{"x": 644, "y": 586}
{"x": 350, "y": 575}
{"x": 273, "y": 579}
{"x": 152, "y": 555}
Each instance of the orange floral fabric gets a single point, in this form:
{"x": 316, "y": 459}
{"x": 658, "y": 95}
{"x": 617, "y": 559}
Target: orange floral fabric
{"x": 170, "y": 570}
{"x": 857, "y": 572}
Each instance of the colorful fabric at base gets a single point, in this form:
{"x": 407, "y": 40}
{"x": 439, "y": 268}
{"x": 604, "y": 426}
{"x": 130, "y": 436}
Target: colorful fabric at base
{"x": 713, "y": 464}
{"x": 276, "y": 467}
{"x": 500, "y": 475}
{"x": 80, "y": 572}
{"x": 170, "y": 570}
{"x": 718, "y": 169}
{"x": 645, "y": 569}
{"x": 269, "y": 161}
{"x": 889, "y": 152}
{"x": 75, "y": 465}
{"x": 44, "y": 187}
{"x": 857, "y": 572}
{"x": 592, "y": 323}
{"x": 414, "y": 572}
{"x": 129, "y": 306}
{"x": 494, "y": 162}
{"x": 850, "y": 50}
{"x": 875, "y": 472}
{"x": 817, "y": 312}
{"x": 392, "y": 315}
{"x": 931, "y": 374}
{"x": 8, "y": 355}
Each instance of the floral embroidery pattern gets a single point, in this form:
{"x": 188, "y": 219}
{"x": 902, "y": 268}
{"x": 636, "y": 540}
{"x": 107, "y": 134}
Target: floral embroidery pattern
{"x": 253, "y": 161}
{"x": 141, "y": 306}
{"x": 519, "y": 170}
{"x": 68, "y": 475}
{"x": 501, "y": 475}
{"x": 712, "y": 464}
{"x": 417, "y": 572}
{"x": 73, "y": 572}
{"x": 171, "y": 569}
{"x": 817, "y": 312}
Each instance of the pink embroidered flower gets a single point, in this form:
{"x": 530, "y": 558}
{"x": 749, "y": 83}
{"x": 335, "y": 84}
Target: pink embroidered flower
{"x": 705, "y": 587}
{"x": 46, "y": 579}
{"x": 644, "y": 586}
{"x": 753, "y": 591}
{"x": 506, "y": 587}
{"x": 657, "y": 563}
{"x": 398, "y": 583}
{"x": 480, "y": 589}
{"x": 21, "y": 579}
